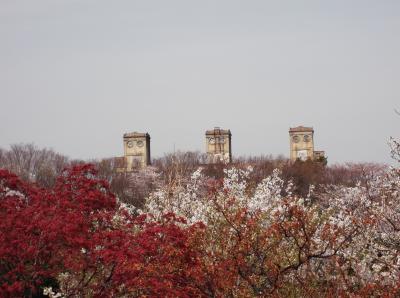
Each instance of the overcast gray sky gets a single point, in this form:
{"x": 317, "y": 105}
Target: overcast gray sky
{"x": 76, "y": 74}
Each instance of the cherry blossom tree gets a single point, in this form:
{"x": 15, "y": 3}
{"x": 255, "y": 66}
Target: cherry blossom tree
{"x": 266, "y": 240}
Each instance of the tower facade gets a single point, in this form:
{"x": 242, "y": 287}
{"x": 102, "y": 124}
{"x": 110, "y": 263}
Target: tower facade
{"x": 302, "y": 144}
{"x": 136, "y": 150}
{"x": 219, "y": 145}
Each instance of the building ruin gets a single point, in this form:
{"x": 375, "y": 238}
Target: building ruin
{"x": 302, "y": 144}
{"x": 219, "y": 145}
{"x": 136, "y": 151}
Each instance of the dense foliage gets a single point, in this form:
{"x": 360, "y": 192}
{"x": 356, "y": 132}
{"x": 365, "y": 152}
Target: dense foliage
{"x": 259, "y": 228}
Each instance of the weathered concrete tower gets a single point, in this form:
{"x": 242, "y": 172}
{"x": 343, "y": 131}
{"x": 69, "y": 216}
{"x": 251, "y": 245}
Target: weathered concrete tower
{"x": 136, "y": 150}
{"x": 302, "y": 144}
{"x": 219, "y": 145}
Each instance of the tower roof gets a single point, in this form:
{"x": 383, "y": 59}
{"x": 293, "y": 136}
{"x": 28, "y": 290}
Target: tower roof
{"x": 218, "y": 131}
{"x": 301, "y": 129}
{"x": 136, "y": 135}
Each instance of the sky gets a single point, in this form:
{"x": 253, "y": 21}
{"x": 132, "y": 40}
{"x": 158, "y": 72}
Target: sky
{"x": 77, "y": 74}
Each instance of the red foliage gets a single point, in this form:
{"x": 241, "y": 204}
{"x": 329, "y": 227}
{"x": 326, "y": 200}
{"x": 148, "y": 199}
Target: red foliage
{"x": 74, "y": 229}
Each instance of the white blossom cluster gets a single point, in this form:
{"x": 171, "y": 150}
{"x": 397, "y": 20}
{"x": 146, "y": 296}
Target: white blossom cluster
{"x": 371, "y": 214}
{"x": 195, "y": 204}
{"x": 49, "y": 292}
{"x": 8, "y": 193}
{"x": 187, "y": 201}
{"x": 365, "y": 218}
{"x": 268, "y": 192}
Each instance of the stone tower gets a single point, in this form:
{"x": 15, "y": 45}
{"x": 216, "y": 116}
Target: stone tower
{"x": 219, "y": 145}
{"x": 136, "y": 150}
{"x": 302, "y": 144}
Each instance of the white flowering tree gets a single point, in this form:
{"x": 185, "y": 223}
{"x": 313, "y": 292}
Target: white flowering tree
{"x": 264, "y": 240}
